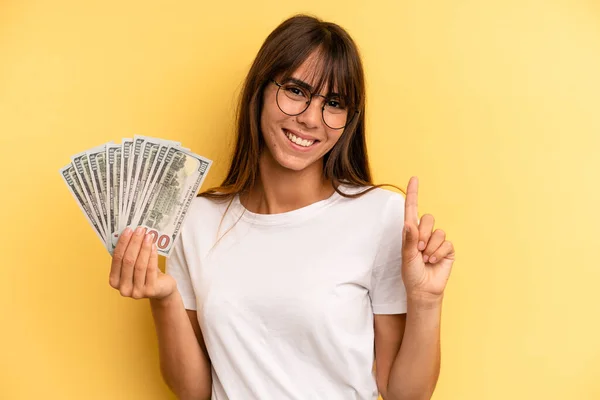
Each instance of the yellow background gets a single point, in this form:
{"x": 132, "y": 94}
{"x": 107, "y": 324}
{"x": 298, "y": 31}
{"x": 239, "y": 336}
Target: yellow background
{"x": 494, "y": 105}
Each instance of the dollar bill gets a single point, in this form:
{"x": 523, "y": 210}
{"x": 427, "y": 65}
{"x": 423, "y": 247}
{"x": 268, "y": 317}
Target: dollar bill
{"x": 154, "y": 169}
{"x": 72, "y": 181}
{"x": 169, "y": 196}
{"x": 97, "y": 165}
{"x": 124, "y": 179}
{"x": 136, "y": 152}
{"x": 160, "y": 170}
{"x": 113, "y": 157}
{"x": 81, "y": 164}
{"x": 141, "y": 170}
{"x": 142, "y": 181}
{"x": 152, "y": 174}
{"x": 149, "y": 151}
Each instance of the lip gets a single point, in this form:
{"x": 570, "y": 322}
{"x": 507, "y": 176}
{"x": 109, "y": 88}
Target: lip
{"x": 298, "y": 147}
{"x": 301, "y": 136}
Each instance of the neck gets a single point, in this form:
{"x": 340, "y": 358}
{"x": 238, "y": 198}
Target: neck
{"x": 280, "y": 190}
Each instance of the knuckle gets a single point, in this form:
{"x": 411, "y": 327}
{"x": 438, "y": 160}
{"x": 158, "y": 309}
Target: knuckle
{"x": 117, "y": 258}
{"x": 128, "y": 261}
{"x": 137, "y": 294}
{"x": 139, "y": 268}
{"x": 125, "y": 291}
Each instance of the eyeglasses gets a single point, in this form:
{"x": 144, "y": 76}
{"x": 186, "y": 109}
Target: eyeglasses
{"x": 293, "y": 99}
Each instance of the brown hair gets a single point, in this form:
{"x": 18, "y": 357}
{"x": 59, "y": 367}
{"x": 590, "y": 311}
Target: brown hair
{"x": 284, "y": 50}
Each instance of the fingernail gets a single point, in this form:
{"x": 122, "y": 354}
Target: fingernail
{"x": 432, "y": 260}
{"x": 139, "y": 230}
{"x": 127, "y": 231}
{"x": 421, "y": 245}
{"x": 148, "y": 238}
{"x": 425, "y": 258}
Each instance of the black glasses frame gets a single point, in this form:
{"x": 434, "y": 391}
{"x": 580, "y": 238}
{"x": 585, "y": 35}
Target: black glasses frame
{"x": 280, "y": 85}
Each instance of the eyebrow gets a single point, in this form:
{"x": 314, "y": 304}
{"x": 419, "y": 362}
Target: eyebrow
{"x": 309, "y": 87}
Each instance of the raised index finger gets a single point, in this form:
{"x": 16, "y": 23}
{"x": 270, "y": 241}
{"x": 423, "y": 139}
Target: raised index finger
{"x": 411, "y": 203}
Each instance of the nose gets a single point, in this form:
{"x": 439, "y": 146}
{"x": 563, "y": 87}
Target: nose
{"x": 311, "y": 117}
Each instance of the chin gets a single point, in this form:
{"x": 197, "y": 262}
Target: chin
{"x": 293, "y": 164}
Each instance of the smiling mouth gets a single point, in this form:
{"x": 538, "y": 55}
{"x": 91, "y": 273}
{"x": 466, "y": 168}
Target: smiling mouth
{"x": 298, "y": 141}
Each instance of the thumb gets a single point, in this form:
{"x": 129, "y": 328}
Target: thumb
{"x": 410, "y": 241}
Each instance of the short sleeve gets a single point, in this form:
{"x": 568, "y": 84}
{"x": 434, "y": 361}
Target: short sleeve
{"x": 388, "y": 294}
{"x": 177, "y": 267}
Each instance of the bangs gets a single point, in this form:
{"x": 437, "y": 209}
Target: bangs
{"x": 328, "y": 69}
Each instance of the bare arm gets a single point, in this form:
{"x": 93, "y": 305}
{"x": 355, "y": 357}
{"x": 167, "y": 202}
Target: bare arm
{"x": 389, "y": 332}
{"x": 408, "y": 352}
{"x": 427, "y": 260}
{"x": 184, "y": 363}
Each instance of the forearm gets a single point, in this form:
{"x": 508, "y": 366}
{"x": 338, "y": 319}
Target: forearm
{"x": 416, "y": 368}
{"x": 183, "y": 364}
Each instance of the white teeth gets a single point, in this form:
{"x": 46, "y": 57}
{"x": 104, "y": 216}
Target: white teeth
{"x": 298, "y": 141}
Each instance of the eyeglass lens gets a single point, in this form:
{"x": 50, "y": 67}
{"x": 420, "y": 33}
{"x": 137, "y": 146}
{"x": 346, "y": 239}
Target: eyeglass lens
{"x": 293, "y": 100}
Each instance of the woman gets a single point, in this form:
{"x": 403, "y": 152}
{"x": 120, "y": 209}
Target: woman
{"x": 297, "y": 274}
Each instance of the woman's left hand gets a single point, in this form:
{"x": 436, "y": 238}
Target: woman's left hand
{"x": 427, "y": 256}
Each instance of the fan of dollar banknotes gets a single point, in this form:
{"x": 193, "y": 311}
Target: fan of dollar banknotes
{"x": 143, "y": 181}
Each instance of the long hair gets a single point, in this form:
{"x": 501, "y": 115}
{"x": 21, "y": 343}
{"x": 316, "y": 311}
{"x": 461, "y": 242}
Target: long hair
{"x": 284, "y": 50}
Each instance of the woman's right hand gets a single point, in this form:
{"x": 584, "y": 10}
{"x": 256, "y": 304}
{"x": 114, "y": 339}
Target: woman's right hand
{"x": 134, "y": 270}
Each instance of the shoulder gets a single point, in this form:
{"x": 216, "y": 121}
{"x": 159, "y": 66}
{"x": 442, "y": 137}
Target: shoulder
{"x": 379, "y": 200}
{"x": 209, "y": 211}
{"x": 203, "y": 205}
{"x": 201, "y": 222}
{"x": 379, "y": 212}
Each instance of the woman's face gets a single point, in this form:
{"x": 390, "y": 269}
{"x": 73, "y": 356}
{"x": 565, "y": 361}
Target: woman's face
{"x": 313, "y": 138}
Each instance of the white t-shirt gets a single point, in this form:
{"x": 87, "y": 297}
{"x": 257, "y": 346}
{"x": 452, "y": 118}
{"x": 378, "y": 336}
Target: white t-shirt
{"x": 286, "y": 301}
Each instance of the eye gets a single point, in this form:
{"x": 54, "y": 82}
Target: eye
{"x": 333, "y": 103}
{"x": 336, "y": 103}
{"x": 294, "y": 91}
